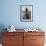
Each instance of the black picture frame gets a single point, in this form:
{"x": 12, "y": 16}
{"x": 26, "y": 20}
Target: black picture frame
{"x": 26, "y": 13}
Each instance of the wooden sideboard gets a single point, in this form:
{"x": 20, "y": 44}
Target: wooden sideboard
{"x": 23, "y": 39}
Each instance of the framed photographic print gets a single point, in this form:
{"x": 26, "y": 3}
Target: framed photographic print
{"x": 26, "y": 13}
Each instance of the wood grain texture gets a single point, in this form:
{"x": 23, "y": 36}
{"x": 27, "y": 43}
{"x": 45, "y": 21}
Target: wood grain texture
{"x": 34, "y": 39}
{"x": 13, "y": 39}
{"x": 23, "y": 39}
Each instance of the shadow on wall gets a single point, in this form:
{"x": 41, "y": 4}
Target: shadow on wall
{"x": 2, "y": 26}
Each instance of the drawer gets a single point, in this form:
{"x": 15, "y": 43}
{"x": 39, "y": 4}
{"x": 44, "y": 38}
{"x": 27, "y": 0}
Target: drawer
{"x": 11, "y": 45}
{"x": 37, "y": 39}
{"x": 13, "y": 33}
{"x": 34, "y": 33}
{"x": 18, "y": 44}
{"x": 12, "y": 39}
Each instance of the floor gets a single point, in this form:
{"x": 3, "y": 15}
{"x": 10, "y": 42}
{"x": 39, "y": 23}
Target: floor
{"x": 0, "y": 44}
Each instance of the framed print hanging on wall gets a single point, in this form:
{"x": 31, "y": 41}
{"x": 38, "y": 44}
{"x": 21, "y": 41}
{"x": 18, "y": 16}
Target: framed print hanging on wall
{"x": 26, "y": 13}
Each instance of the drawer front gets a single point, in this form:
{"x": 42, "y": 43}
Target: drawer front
{"x": 37, "y": 39}
{"x": 12, "y": 45}
{"x": 12, "y": 39}
{"x": 37, "y": 45}
{"x": 8, "y": 44}
{"x": 34, "y": 33}
{"x": 13, "y": 33}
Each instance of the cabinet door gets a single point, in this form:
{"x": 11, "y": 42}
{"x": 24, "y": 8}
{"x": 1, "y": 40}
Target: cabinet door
{"x": 27, "y": 40}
